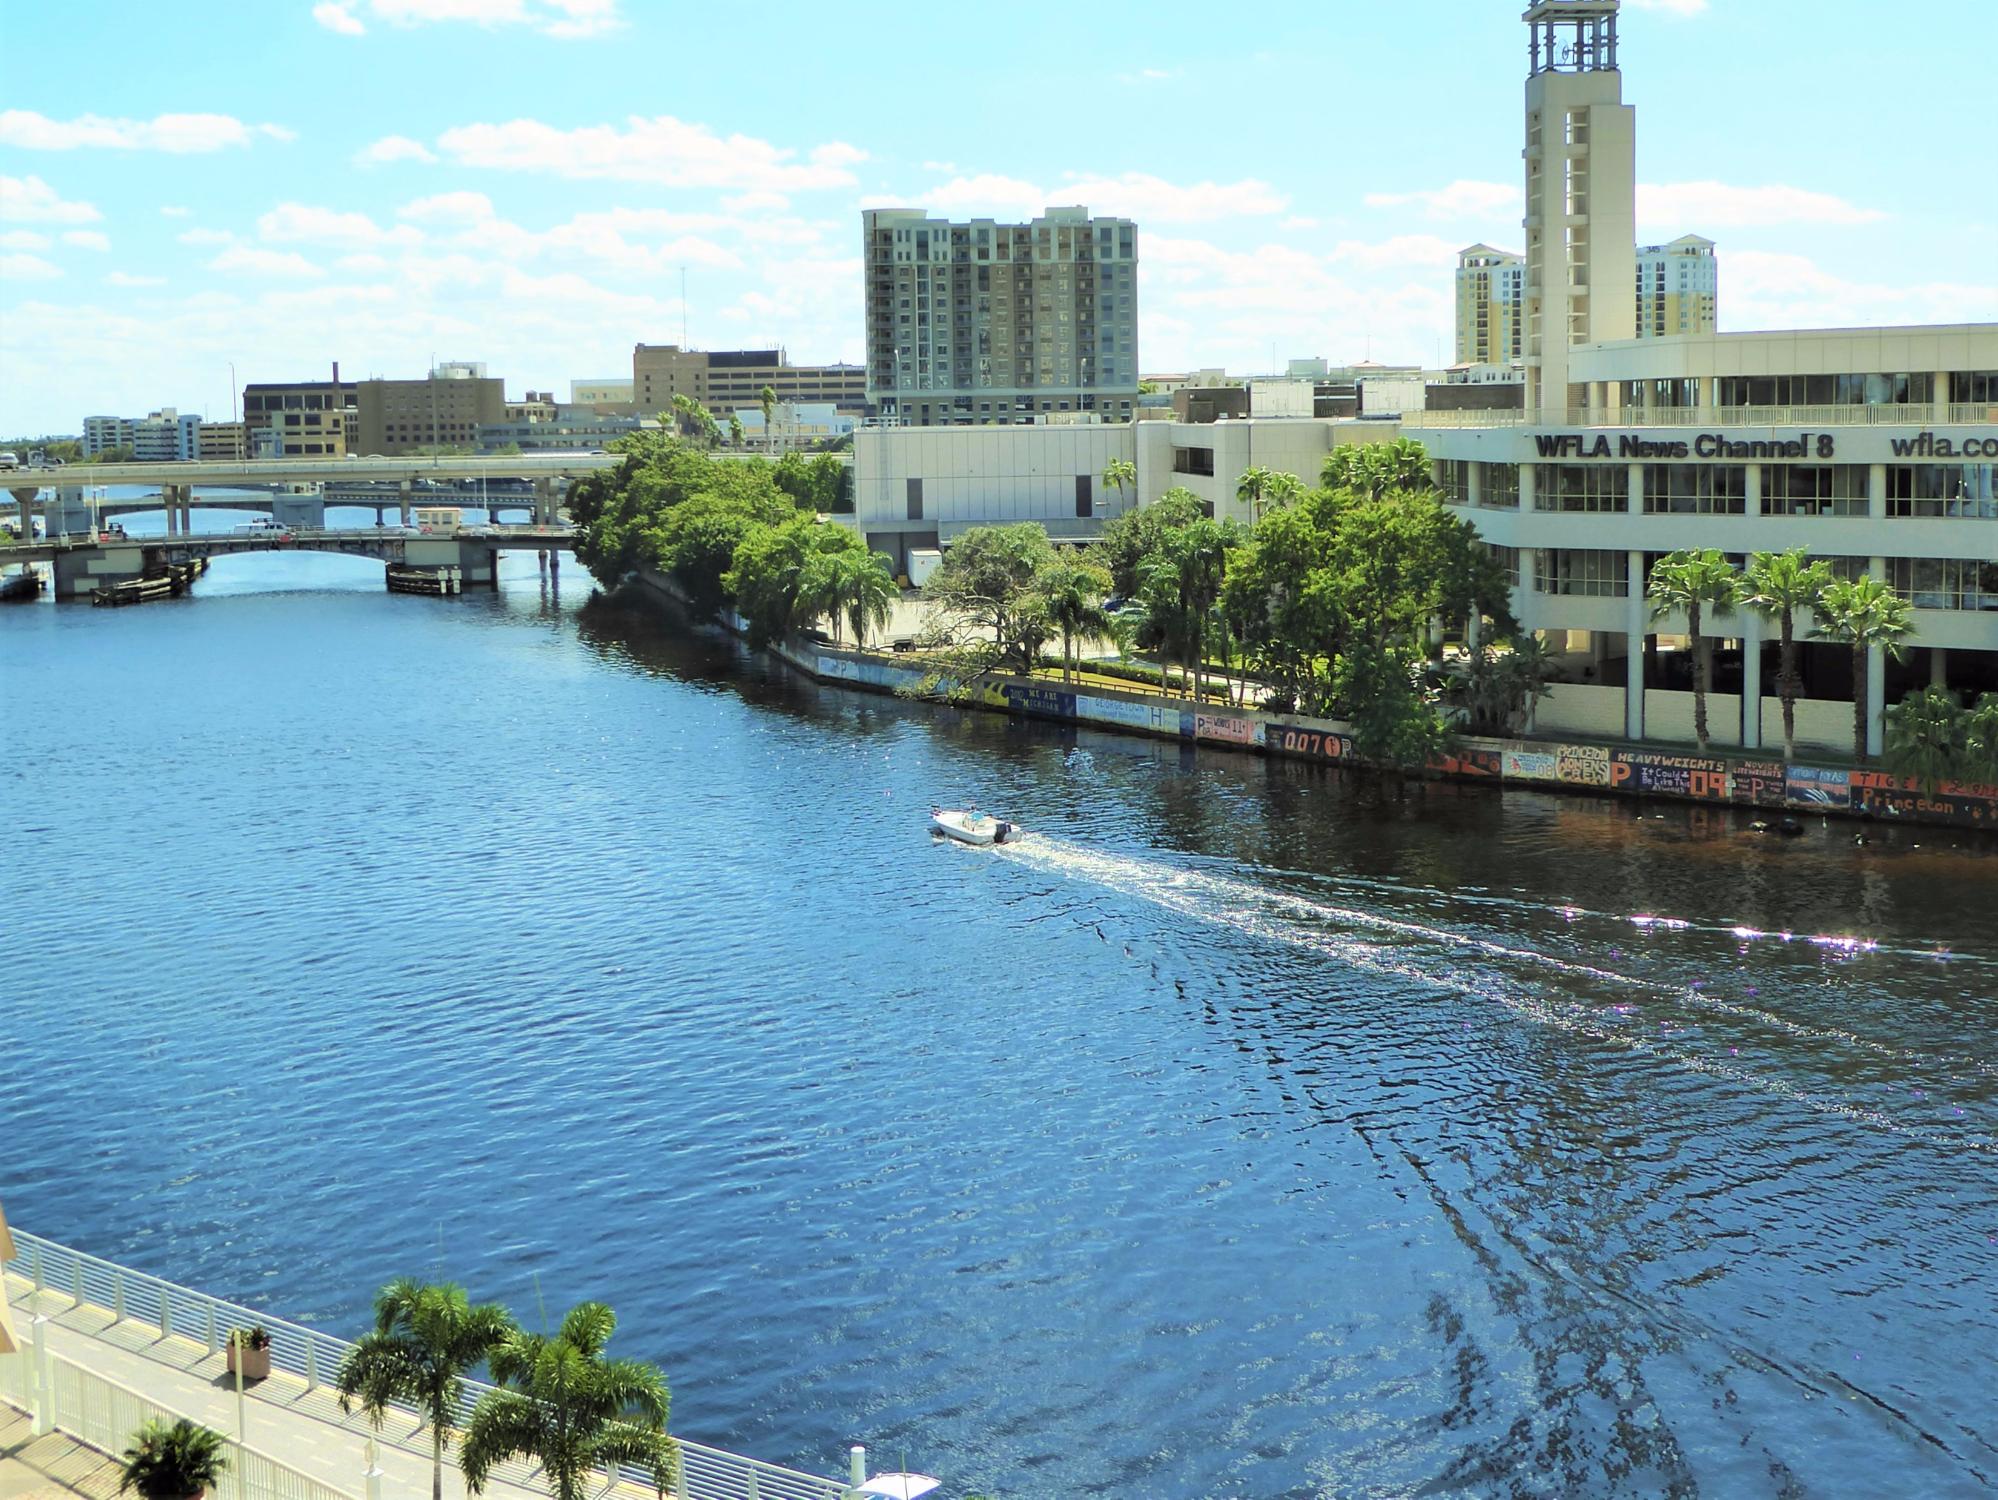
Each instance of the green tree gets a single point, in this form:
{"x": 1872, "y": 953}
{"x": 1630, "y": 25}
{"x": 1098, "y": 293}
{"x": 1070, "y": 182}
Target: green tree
{"x": 1499, "y": 685}
{"x": 1130, "y": 539}
{"x": 1249, "y": 489}
{"x": 853, "y": 586}
{"x": 697, "y": 541}
{"x": 426, "y": 1340}
{"x": 1072, "y": 591}
{"x": 984, "y": 594}
{"x": 735, "y": 429}
{"x": 1864, "y": 613}
{"x": 1181, "y": 586}
{"x": 1780, "y": 584}
{"x": 695, "y": 421}
{"x": 1372, "y": 470}
{"x": 563, "y": 1404}
{"x": 1696, "y": 581}
{"x": 171, "y": 1460}
{"x": 769, "y": 574}
{"x": 1121, "y": 475}
{"x": 1980, "y": 741}
{"x": 1925, "y": 737}
{"x": 767, "y": 399}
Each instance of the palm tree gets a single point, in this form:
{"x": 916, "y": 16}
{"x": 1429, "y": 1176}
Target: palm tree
{"x": 1864, "y": 613}
{"x": 1780, "y": 584}
{"x": 1250, "y": 487}
{"x": 1925, "y": 737}
{"x": 1120, "y": 474}
{"x": 1182, "y": 584}
{"x": 855, "y": 586}
{"x": 1695, "y": 581}
{"x": 426, "y": 1340}
{"x": 564, "y": 1405}
{"x": 1282, "y": 489}
{"x": 171, "y": 1460}
{"x": 734, "y": 430}
{"x": 767, "y": 399}
{"x": 1980, "y": 740}
{"x": 1073, "y": 592}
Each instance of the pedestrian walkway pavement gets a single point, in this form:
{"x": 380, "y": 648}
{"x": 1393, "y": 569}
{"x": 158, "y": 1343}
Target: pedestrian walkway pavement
{"x": 51, "y": 1467}
{"x": 299, "y": 1426}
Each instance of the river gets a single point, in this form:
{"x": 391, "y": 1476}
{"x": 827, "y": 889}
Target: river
{"x": 1248, "y": 1129}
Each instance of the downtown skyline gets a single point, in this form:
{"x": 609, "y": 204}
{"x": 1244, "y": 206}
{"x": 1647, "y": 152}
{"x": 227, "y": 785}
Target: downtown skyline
{"x": 523, "y": 181}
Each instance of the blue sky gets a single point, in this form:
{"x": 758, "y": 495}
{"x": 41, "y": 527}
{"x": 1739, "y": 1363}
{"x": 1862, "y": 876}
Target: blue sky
{"x": 290, "y": 182}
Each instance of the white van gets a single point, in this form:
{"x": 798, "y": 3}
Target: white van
{"x": 9, "y": 459}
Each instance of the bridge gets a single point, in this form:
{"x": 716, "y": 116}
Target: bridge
{"x": 81, "y": 564}
{"x": 177, "y": 481}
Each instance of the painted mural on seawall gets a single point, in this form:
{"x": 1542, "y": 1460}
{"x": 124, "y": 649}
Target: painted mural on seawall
{"x": 1614, "y": 769}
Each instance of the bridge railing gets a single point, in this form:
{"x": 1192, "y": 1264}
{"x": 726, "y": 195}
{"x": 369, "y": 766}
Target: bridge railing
{"x": 701, "y": 1472}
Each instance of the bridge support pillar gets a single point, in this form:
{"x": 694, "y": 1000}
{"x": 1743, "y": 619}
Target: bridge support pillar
{"x": 26, "y": 500}
{"x": 544, "y": 502}
{"x": 403, "y": 491}
{"x": 170, "y": 507}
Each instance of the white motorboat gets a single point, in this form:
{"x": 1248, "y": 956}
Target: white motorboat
{"x": 969, "y": 827}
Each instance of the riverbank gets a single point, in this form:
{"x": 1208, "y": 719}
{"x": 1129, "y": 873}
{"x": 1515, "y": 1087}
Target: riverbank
{"x": 1589, "y": 767}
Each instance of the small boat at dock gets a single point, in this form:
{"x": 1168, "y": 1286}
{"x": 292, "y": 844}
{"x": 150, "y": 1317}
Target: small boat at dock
{"x": 24, "y": 585}
{"x": 969, "y": 827}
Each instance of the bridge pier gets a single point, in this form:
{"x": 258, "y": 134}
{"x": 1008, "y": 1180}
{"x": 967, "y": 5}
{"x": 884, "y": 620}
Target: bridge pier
{"x": 26, "y": 499}
{"x": 299, "y": 512}
{"x": 403, "y": 491}
{"x": 76, "y": 571}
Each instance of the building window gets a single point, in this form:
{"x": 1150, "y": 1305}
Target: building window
{"x": 1507, "y": 559}
{"x": 1084, "y": 496}
{"x": 1944, "y": 582}
{"x": 1695, "y": 489}
{"x": 1581, "y": 487}
{"x": 1193, "y": 460}
{"x": 1960, "y": 490}
{"x": 1814, "y": 490}
{"x": 1453, "y": 478}
{"x": 1500, "y": 491}
{"x": 915, "y": 499}
{"x": 1581, "y": 571}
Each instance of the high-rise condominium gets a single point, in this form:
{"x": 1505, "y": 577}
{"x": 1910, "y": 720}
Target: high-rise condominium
{"x": 982, "y": 322}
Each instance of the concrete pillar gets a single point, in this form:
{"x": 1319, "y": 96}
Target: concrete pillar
{"x": 1526, "y": 486}
{"x": 26, "y": 500}
{"x": 544, "y": 502}
{"x": 1940, "y": 395}
{"x": 1876, "y": 491}
{"x": 1752, "y": 501}
{"x": 1634, "y": 478}
{"x": 403, "y": 489}
{"x": 1751, "y": 677}
{"x": 1938, "y": 666}
{"x": 1710, "y": 391}
{"x": 167, "y": 505}
{"x": 1636, "y": 627}
{"x": 1876, "y": 679}
{"x": 1474, "y": 486}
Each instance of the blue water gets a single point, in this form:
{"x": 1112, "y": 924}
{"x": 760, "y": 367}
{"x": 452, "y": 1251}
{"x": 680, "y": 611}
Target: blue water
{"x": 1246, "y": 1130}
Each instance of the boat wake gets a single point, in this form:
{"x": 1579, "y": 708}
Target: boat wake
{"x": 1670, "y": 1020}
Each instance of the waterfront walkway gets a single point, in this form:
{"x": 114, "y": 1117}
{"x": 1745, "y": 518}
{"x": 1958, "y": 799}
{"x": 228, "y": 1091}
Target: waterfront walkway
{"x": 49, "y": 1467}
{"x": 300, "y": 1425}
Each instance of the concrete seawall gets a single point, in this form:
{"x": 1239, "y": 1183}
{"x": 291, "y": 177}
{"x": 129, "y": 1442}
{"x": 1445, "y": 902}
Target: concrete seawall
{"x": 1598, "y": 768}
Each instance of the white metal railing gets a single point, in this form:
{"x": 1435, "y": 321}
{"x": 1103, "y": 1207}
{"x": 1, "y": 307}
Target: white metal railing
{"x": 105, "y": 1415}
{"x": 1912, "y": 415}
{"x": 702, "y": 1472}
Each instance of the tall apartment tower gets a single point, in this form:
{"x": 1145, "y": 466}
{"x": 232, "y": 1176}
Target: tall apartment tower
{"x": 1581, "y": 193}
{"x": 1490, "y": 330}
{"x": 981, "y": 322}
{"x": 1677, "y": 287}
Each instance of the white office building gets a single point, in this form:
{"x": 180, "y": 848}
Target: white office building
{"x": 165, "y": 435}
{"x": 1873, "y": 447}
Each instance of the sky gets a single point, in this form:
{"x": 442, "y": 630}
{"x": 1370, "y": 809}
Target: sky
{"x": 280, "y": 184}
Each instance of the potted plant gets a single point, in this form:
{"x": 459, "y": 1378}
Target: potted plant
{"x": 175, "y": 1460}
{"x": 250, "y": 1348}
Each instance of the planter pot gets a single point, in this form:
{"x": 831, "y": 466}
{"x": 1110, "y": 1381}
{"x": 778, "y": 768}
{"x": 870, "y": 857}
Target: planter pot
{"x": 255, "y": 1363}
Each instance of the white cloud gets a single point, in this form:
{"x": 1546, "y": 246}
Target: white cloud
{"x": 1134, "y": 195}
{"x": 126, "y": 278}
{"x": 449, "y": 208}
{"x": 367, "y": 262}
{"x": 86, "y": 239}
{"x": 659, "y": 150}
{"x": 393, "y": 148}
{"x": 337, "y": 17}
{"x": 1681, "y": 206}
{"x": 23, "y": 239}
{"x": 250, "y": 260}
{"x": 1298, "y": 221}
{"x": 179, "y": 134}
{"x": 1401, "y": 250}
{"x": 27, "y": 268}
{"x": 1462, "y": 199}
{"x": 751, "y": 203}
{"x": 1681, "y": 8}
{"x": 302, "y": 223}
{"x": 201, "y": 235}
{"x": 1762, "y": 289}
{"x": 176, "y": 211}
{"x": 566, "y": 20}
{"x": 29, "y": 200}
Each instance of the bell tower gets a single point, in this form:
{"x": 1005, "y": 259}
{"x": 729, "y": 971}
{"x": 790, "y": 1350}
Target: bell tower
{"x": 1581, "y": 195}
